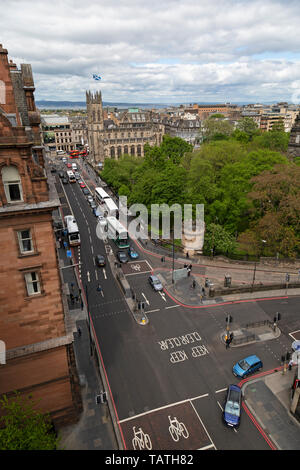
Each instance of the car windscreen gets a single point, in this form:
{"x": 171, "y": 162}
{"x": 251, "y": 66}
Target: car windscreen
{"x": 156, "y": 281}
{"x": 233, "y": 408}
{"x": 244, "y": 364}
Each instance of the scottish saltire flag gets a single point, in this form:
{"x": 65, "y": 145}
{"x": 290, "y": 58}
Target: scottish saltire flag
{"x": 96, "y": 77}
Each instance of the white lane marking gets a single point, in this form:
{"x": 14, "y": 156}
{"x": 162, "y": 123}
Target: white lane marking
{"x": 212, "y": 443}
{"x": 221, "y": 390}
{"x": 163, "y": 408}
{"x": 151, "y": 311}
{"x": 104, "y": 273}
{"x": 147, "y": 301}
{"x": 88, "y": 276}
{"x": 162, "y": 294}
{"x": 172, "y": 306}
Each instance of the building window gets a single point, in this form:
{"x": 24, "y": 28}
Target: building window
{"x": 12, "y": 184}
{"x": 25, "y": 241}
{"x": 32, "y": 283}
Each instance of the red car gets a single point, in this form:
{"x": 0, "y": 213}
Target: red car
{"x": 82, "y": 185}
{"x": 69, "y": 165}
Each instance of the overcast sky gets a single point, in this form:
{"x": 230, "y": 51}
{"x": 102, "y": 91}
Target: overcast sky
{"x": 157, "y": 51}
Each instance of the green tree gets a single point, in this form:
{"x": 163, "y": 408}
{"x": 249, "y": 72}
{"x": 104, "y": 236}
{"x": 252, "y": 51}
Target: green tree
{"x": 218, "y": 241}
{"x": 216, "y": 129}
{"x": 22, "y": 427}
{"x": 248, "y": 126}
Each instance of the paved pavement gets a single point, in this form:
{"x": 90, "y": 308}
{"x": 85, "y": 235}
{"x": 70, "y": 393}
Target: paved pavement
{"x": 267, "y": 397}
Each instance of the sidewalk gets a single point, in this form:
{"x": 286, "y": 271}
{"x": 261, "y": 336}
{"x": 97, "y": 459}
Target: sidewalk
{"x": 268, "y": 400}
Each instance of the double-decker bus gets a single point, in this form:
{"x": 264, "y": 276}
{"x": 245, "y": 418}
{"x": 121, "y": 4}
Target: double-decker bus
{"x": 110, "y": 208}
{"x": 71, "y": 177}
{"x": 73, "y": 232}
{"x": 101, "y": 195}
{"x": 117, "y": 233}
{"x": 74, "y": 154}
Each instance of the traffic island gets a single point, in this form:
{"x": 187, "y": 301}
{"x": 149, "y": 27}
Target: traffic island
{"x": 251, "y": 333}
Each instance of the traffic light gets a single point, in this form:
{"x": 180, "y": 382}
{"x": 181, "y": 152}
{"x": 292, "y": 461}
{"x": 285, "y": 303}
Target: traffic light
{"x": 228, "y": 319}
{"x": 277, "y": 317}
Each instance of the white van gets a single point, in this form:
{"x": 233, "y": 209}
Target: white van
{"x": 74, "y": 166}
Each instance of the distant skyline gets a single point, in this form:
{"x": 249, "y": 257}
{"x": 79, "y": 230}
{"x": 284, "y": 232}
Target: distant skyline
{"x": 170, "y": 51}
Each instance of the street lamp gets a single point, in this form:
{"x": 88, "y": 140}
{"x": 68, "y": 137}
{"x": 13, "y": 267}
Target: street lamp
{"x": 254, "y": 272}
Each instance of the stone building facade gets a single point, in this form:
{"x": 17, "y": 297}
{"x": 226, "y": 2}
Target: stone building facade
{"x": 294, "y": 143}
{"x": 126, "y": 133}
{"x": 39, "y": 356}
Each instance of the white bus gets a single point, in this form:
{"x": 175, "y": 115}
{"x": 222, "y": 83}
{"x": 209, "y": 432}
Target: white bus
{"x": 71, "y": 177}
{"x": 101, "y": 195}
{"x": 109, "y": 208}
{"x": 73, "y": 232}
{"x": 117, "y": 233}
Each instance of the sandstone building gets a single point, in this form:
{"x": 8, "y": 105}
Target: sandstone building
{"x": 294, "y": 143}
{"x": 39, "y": 357}
{"x": 126, "y": 133}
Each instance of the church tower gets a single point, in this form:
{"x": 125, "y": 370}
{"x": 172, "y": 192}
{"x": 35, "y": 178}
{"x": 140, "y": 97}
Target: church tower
{"x": 95, "y": 125}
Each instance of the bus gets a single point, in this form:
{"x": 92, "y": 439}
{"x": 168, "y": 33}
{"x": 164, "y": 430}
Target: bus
{"x": 71, "y": 177}
{"x": 74, "y": 154}
{"x": 73, "y": 232}
{"x": 101, "y": 195}
{"x": 110, "y": 208}
{"x": 117, "y": 233}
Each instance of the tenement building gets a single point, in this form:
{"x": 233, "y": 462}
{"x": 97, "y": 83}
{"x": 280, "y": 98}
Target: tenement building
{"x": 39, "y": 357}
{"x": 125, "y": 133}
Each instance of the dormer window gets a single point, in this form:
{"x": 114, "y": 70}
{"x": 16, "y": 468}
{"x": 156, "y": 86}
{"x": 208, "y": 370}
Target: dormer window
{"x": 12, "y": 184}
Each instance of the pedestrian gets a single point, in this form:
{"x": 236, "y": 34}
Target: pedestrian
{"x": 65, "y": 245}
{"x": 227, "y": 341}
{"x": 190, "y": 266}
{"x": 76, "y": 298}
{"x": 194, "y": 284}
{"x": 60, "y": 242}
{"x": 72, "y": 298}
{"x": 163, "y": 259}
{"x": 72, "y": 286}
{"x": 188, "y": 272}
{"x": 185, "y": 265}
{"x": 79, "y": 331}
{"x": 187, "y": 255}
{"x": 290, "y": 364}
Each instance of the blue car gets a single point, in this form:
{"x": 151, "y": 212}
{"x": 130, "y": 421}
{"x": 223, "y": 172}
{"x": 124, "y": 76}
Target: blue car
{"x": 247, "y": 366}
{"x": 132, "y": 253}
{"x": 232, "y": 406}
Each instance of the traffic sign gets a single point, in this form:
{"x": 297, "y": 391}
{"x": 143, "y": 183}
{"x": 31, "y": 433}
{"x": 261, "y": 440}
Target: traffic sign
{"x": 69, "y": 253}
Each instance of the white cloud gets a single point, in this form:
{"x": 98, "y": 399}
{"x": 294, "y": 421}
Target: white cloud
{"x": 170, "y": 51}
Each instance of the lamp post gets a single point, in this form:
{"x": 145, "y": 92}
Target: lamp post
{"x": 254, "y": 272}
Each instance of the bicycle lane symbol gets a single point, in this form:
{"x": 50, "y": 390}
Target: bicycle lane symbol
{"x": 141, "y": 440}
{"x": 177, "y": 429}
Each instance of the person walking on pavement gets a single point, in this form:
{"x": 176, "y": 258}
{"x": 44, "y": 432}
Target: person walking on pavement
{"x": 79, "y": 331}
{"x": 194, "y": 284}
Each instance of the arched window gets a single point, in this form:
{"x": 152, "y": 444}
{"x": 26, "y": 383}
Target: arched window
{"x": 112, "y": 152}
{"x": 119, "y": 152}
{"x": 126, "y": 149}
{"x": 139, "y": 150}
{"x": 132, "y": 150}
{"x": 12, "y": 184}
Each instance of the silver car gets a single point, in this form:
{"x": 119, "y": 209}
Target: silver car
{"x": 155, "y": 283}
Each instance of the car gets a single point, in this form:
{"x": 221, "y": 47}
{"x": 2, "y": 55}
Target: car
{"x": 53, "y": 170}
{"x": 61, "y": 174}
{"x": 232, "y": 406}
{"x": 69, "y": 165}
{"x": 85, "y": 191}
{"x": 155, "y": 283}
{"x": 65, "y": 181}
{"x": 80, "y": 181}
{"x": 64, "y": 160}
{"x": 122, "y": 257}
{"x": 93, "y": 205}
{"x": 77, "y": 176}
{"x": 132, "y": 253}
{"x": 247, "y": 366}
{"x": 90, "y": 199}
{"x": 100, "y": 260}
{"x": 82, "y": 185}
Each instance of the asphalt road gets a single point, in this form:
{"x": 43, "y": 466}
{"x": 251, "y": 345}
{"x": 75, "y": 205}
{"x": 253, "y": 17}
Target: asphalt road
{"x": 175, "y": 369}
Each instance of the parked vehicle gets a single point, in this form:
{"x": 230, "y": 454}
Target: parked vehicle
{"x": 93, "y": 205}
{"x": 232, "y": 406}
{"x": 82, "y": 184}
{"x": 247, "y": 366}
{"x": 61, "y": 174}
{"x": 85, "y": 191}
{"x": 65, "y": 180}
{"x": 155, "y": 283}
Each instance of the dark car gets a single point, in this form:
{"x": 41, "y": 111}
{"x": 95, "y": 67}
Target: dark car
{"x": 232, "y": 406}
{"x": 61, "y": 174}
{"x": 65, "y": 181}
{"x": 53, "y": 170}
{"x": 122, "y": 257}
{"x": 155, "y": 283}
{"x": 247, "y": 366}
{"x": 100, "y": 260}
{"x": 85, "y": 191}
